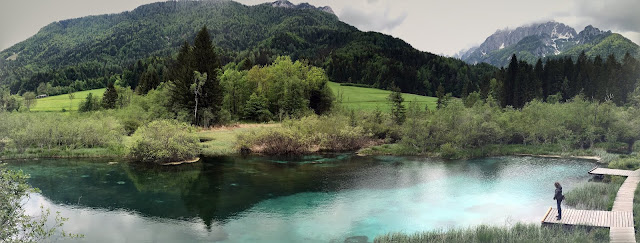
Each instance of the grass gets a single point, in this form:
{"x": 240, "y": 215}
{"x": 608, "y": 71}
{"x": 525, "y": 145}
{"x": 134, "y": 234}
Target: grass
{"x": 517, "y": 233}
{"x": 370, "y": 99}
{"x": 222, "y": 141}
{"x": 59, "y": 102}
{"x": 594, "y": 195}
{"x": 64, "y": 153}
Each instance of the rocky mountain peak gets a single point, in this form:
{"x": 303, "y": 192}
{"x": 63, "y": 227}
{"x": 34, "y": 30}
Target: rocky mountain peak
{"x": 533, "y": 41}
{"x": 590, "y": 33}
{"x": 287, "y": 4}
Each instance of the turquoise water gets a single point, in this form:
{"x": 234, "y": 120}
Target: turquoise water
{"x": 306, "y": 199}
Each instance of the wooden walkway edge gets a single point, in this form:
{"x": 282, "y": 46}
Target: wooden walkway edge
{"x": 619, "y": 220}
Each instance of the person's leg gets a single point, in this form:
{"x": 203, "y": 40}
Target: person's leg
{"x": 559, "y": 209}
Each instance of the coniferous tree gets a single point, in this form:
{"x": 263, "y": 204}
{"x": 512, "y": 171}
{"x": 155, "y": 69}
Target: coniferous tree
{"x": 203, "y": 59}
{"x": 206, "y": 61}
{"x": 510, "y": 88}
{"x": 110, "y": 97}
{"x": 181, "y": 75}
{"x": 398, "y": 111}
{"x": 440, "y": 94}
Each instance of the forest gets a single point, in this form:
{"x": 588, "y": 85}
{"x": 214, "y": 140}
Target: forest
{"x": 120, "y": 45}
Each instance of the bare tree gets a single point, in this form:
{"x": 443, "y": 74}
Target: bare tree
{"x": 196, "y": 88}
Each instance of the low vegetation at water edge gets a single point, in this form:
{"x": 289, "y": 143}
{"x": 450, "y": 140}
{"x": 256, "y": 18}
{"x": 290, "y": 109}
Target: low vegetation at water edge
{"x": 164, "y": 141}
{"x": 483, "y": 233}
{"x": 307, "y": 135}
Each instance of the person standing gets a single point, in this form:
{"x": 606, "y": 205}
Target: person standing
{"x": 558, "y": 197}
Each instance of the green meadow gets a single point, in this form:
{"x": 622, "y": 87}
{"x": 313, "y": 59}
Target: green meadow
{"x": 357, "y": 98}
{"x": 59, "y": 102}
{"x": 370, "y": 99}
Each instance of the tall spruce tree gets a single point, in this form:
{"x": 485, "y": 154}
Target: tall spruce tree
{"x": 510, "y": 84}
{"x": 203, "y": 59}
{"x": 181, "y": 76}
{"x": 398, "y": 111}
{"x": 206, "y": 60}
{"x": 110, "y": 97}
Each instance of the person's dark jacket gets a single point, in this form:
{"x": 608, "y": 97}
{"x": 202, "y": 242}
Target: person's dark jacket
{"x": 558, "y": 195}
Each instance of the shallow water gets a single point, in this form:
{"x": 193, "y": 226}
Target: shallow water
{"x": 305, "y": 199}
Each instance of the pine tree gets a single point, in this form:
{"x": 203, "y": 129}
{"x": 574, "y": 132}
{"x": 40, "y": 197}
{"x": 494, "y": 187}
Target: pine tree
{"x": 257, "y": 109}
{"x": 510, "y": 84}
{"x": 206, "y": 60}
{"x": 398, "y": 111}
{"x": 440, "y": 94}
{"x": 181, "y": 75}
{"x": 110, "y": 97}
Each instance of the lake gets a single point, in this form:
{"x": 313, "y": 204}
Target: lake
{"x": 326, "y": 198}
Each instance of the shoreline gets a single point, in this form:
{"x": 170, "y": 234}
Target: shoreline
{"x": 598, "y": 159}
{"x": 384, "y": 149}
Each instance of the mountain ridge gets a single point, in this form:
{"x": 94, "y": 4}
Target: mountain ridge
{"x": 87, "y": 52}
{"x": 542, "y": 40}
{"x": 287, "y": 4}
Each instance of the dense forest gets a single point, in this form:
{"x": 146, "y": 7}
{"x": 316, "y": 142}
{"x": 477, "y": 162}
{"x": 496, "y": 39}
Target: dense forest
{"x": 562, "y": 79}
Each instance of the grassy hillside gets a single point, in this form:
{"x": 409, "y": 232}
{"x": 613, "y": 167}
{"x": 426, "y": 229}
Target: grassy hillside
{"x": 615, "y": 44}
{"x": 369, "y": 99}
{"x": 91, "y": 49}
{"x": 59, "y": 102}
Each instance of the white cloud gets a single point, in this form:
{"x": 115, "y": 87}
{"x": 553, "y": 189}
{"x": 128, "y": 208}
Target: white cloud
{"x": 376, "y": 20}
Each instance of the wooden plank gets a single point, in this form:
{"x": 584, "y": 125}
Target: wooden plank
{"x": 579, "y": 217}
{"x": 547, "y": 214}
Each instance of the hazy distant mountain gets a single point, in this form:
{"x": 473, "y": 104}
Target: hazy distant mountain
{"x": 287, "y": 4}
{"x": 548, "y": 39}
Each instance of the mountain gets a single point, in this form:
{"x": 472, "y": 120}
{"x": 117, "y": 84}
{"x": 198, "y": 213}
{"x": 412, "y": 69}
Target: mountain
{"x": 85, "y": 52}
{"x": 547, "y": 40}
{"x": 287, "y": 4}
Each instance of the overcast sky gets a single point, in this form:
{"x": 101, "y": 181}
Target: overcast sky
{"x": 441, "y": 27}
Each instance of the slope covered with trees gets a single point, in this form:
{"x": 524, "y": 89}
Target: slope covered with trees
{"x": 562, "y": 79}
{"x": 90, "y": 52}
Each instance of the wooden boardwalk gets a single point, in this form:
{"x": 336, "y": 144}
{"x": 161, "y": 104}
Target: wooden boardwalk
{"x": 619, "y": 220}
{"x": 605, "y": 171}
{"x": 592, "y": 218}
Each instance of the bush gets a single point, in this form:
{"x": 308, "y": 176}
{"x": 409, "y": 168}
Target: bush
{"x": 90, "y": 103}
{"x": 164, "y": 141}
{"x": 307, "y": 135}
{"x": 629, "y": 163}
{"x": 276, "y": 141}
{"x": 49, "y": 131}
{"x": 131, "y": 125}
{"x": 448, "y": 151}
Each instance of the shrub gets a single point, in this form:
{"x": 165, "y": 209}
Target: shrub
{"x": 90, "y": 103}
{"x": 309, "y": 134}
{"x": 49, "y": 131}
{"x": 448, "y": 151}
{"x": 629, "y": 163}
{"x": 164, "y": 141}
{"x": 275, "y": 141}
{"x": 131, "y": 125}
